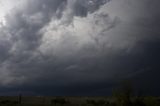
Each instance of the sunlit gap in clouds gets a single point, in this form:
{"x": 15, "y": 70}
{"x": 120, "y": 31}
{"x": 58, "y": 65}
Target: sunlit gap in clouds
{"x": 7, "y": 6}
{"x": 2, "y": 13}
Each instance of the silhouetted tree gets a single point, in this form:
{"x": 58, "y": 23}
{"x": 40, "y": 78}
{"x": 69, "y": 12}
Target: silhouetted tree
{"x": 123, "y": 94}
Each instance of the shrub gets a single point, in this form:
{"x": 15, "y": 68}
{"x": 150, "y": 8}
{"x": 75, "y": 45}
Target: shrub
{"x": 91, "y": 101}
{"x": 101, "y": 102}
{"x": 61, "y": 101}
{"x": 151, "y": 101}
{"x": 138, "y": 102}
{"x": 122, "y": 96}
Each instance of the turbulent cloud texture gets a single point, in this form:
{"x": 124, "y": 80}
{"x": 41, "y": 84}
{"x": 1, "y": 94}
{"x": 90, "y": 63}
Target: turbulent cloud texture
{"x": 67, "y": 44}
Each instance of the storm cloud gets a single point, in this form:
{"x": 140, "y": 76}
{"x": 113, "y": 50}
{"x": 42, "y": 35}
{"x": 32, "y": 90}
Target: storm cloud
{"x": 82, "y": 44}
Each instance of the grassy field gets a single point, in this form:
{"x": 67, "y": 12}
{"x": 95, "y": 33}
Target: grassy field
{"x": 78, "y": 101}
{"x": 121, "y": 96}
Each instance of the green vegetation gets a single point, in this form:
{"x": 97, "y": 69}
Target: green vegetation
{"x": 123, "y": 96}
{"x": 116, "y": 100}
{"x": 61, "y": 101}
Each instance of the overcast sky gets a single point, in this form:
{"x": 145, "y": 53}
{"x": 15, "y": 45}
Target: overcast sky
{"x": 78, "y": 47}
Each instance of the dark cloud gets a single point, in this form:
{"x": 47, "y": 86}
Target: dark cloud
{"x": 77, "y": 44}
{"x": 82, "y": 7}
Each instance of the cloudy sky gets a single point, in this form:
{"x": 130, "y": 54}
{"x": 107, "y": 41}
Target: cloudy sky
{"x": 78, "y": 47}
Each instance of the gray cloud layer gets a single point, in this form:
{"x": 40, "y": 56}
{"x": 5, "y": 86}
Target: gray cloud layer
{"x": 74, "y": 43}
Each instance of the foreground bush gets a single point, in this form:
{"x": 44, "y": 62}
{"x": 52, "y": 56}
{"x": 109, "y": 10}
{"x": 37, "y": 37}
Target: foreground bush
{"x": 60, "y": 101}
{"x": 151, "y": 101}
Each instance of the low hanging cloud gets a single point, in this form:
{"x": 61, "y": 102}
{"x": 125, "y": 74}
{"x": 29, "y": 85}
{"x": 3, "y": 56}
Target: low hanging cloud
{"x": 67, "y": 43}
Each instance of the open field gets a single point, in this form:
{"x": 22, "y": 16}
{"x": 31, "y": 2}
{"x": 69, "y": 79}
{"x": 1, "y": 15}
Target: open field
{"x": 78, "y": 101}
